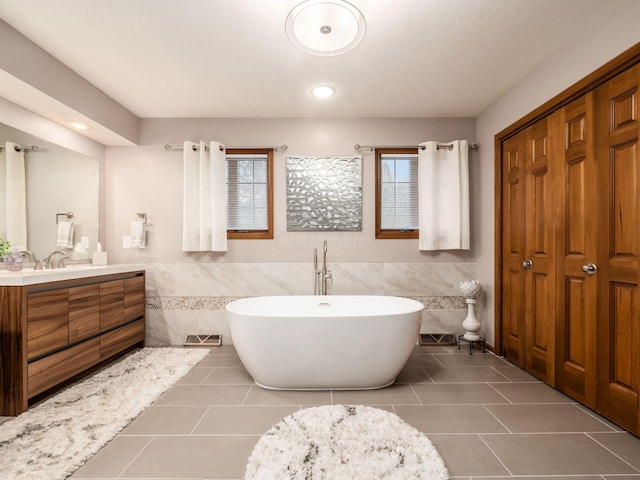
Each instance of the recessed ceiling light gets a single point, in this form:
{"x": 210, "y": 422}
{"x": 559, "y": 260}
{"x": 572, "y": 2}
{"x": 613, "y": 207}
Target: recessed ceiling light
{"x": 78, "y": 125}
{"x": 325, "y": 27}
{"x": 323, "y": 91}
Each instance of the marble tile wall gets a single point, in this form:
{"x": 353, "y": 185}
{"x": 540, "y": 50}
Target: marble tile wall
{"x": 190, "y": 298}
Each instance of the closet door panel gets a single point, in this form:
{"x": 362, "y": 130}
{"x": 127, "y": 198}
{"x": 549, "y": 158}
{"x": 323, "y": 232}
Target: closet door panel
{"x": 577, "y": 247}
{"x": 539, "y": 293}
{"x": 540, "y": 349}
{"x": 575, "y": 361}
{"x": 624, "y": 371}
{"x": 619, "y": 247}
{"x": 513, "y": 249}
{"x": 624, "y": 202}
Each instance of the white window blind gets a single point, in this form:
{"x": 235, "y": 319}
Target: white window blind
{"x": 399, "y": 192}
{"x": 247, "y": 192}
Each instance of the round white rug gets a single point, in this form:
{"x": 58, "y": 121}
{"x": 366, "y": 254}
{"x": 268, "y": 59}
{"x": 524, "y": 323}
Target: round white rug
{"x": 344, "y": 442}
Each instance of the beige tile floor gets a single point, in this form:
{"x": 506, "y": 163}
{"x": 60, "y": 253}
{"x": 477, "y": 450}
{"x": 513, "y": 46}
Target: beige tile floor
{"x": 486, "y": 417}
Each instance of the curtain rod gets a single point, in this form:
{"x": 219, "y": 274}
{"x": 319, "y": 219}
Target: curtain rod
{"x": 24, "y": 148}
{"x": 441, "y": 146}
{"x": 222, "y": 147}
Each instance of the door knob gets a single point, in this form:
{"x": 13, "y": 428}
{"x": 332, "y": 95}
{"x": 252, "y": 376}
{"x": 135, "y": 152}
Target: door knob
{"x": 527, "y": 264}
{"x": 589, "y": 268}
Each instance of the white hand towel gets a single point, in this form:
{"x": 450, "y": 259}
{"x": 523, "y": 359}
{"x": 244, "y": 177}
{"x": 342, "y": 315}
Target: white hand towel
{"x": 137, "y": 235}
{"x": 64, "y": 238}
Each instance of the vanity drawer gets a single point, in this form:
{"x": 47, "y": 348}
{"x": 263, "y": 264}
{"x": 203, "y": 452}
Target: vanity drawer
{"x": 84, "y": 312}
{"x": 133, "y": 298}
{"x": 111, "y": 304}
{"x": 121, "y": 338}
{"x": 50, "y": 371}
{"x": 47, "y": 321}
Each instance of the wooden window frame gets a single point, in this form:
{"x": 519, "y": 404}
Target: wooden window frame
{"x": 257, "y": 234}
{"x": 389, "y": 234}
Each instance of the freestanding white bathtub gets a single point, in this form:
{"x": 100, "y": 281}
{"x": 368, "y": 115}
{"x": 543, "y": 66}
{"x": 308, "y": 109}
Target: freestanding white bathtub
{"x": 332, "y": 342}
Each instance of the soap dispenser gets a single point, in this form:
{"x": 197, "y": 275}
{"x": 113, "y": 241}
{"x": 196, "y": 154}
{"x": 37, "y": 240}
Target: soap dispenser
{"x": 99, "y": 257}
{"x": 14, "y": 261}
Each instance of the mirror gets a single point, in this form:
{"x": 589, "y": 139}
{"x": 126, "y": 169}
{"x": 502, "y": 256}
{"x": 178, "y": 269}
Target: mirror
{"x": 58, "y": 181}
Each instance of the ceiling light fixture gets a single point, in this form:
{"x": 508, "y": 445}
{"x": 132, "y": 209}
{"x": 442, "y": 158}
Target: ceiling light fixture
{"x": 78, "y": 125}
{"x": 325, "y": 27}
{"x": 323, "y": 91}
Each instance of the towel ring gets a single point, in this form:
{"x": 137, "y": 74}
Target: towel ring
{"x": 68, "y": 215}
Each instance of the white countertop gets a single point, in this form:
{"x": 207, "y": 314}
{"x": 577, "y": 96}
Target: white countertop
{"x": 28, "y": 276}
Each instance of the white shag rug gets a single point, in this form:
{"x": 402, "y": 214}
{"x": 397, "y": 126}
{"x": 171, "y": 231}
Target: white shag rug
{"x": 53, "y": 439}
{"x": 339, "y": 442}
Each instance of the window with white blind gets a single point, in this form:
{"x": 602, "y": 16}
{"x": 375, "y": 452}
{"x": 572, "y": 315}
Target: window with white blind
{"x": 397, "y": 193}
{"x": 249, "y": 193}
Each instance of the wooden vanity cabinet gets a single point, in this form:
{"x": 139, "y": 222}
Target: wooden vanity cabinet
{"x": 51, "y": 332}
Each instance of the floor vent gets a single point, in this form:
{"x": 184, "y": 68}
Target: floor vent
{"x": 438, "y": 339}
{"x": 203, "y": 340}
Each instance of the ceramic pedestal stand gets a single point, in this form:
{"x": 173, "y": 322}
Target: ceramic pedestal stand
{"x": 471, "y": 289}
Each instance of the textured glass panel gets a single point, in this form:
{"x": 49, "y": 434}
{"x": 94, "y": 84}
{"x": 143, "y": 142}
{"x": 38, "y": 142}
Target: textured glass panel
{"x": 324, "y": 193}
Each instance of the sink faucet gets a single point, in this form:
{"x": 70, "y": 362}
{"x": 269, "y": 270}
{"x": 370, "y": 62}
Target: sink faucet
{"x": 321, "y": 274}
{"x": 37, "y": 264}
{"x": 51, "y": 260}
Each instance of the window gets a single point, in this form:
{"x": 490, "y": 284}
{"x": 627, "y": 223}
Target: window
{"x": 249, "y": 193}
{"x": 396, "y": 193}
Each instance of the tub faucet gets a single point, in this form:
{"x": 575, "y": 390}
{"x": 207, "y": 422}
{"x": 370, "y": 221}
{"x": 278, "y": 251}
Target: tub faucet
{"x": 321, "y": 274}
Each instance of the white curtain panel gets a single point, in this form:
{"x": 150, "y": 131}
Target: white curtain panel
{"x": 16, "y": 197}
{"x": 443, "y": 184}
{"x": 204, "y": 227}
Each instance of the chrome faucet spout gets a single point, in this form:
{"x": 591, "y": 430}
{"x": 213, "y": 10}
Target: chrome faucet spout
{"x": 37, "y": 264}
{"x": 316, "y": 273}
{"x": 51, "y": 259}
{"x": 325, "y": 273}
{"x": 321, "y": 274}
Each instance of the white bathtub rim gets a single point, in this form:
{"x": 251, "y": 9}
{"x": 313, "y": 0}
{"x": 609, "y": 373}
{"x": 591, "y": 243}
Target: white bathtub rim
{"x": 409, "y": 305}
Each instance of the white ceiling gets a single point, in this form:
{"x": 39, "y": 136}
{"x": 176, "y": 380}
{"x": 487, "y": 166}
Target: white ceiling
{"x": 232, "y": 58}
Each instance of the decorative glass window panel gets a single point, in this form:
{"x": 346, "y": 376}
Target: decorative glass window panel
{"x": 399, "y": 192}
{"x": 247, "y": 192}
{"x": 324, "y": 193}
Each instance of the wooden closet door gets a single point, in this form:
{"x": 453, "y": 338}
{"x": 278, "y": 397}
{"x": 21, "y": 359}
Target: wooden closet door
{"x": 540, "y": 239}
{"x": 619, "y": 248}
{"x": 513, "y": 232}
{"x": 576, "y": 292}
{"x": 528, "y": 251}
